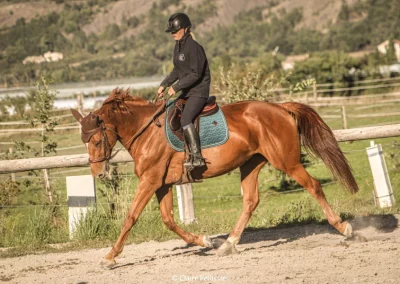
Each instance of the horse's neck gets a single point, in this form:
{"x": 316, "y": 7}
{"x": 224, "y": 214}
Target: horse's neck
{"x": 130, "y": 122}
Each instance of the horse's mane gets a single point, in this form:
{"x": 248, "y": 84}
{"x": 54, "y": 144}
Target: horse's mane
{"x": 120, "y": 95}
{"x": 120, "y": 101}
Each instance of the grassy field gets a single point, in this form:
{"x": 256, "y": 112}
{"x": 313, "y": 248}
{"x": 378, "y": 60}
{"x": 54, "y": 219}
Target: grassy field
{"x": 217, "y": 201}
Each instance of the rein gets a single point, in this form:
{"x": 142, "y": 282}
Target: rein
{"x": 153, "y": 118}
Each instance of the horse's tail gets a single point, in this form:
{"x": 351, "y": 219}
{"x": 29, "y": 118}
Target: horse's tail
{"x": 318, "y": 139}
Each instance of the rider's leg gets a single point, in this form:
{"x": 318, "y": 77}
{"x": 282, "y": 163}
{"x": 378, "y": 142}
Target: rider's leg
{"x": 193, "y": 107}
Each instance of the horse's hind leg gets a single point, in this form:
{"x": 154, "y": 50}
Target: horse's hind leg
{"x": 165, "y": 198}
{"x": 314, "y": 188}
{"x": 249, "y": 177}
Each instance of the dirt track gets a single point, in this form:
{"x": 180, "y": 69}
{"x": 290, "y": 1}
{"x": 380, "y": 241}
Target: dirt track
{"x": 300, "y": 254}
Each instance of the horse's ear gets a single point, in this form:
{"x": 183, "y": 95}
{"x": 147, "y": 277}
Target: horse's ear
{"x": 77, "y": 115}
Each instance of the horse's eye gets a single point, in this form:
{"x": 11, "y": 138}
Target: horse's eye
{"x": 98, "y": 143}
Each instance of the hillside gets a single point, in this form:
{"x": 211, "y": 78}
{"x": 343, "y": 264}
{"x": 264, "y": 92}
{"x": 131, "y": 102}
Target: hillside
{"x": 107, "y": 39}
{"x": 10, "y": 13}
{"x": 317, "y": 13}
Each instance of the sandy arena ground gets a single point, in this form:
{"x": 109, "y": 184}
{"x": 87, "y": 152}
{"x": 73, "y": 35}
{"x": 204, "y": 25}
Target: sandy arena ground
{"x": 299, "y": 254}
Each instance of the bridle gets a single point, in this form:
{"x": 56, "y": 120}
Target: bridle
{"x": 86, "y": 136}
{"x": 106, "y": 144}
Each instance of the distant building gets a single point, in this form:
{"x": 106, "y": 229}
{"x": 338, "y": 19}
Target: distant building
{"x": 388, "y": 70}
{"x": 288, "y": 63}
{"x": 53, "y": 56}
{"x": 47, "y": 57}
{"x": 384, "y": 47}
{"x": 34, "y": 59}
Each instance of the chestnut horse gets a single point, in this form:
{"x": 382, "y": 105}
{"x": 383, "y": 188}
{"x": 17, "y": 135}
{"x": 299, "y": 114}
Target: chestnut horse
{"x": 259, "y": 132}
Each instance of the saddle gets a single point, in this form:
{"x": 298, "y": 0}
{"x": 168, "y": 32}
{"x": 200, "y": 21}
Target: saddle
{"x": 174, "y": 121}
{"x": 174, "y": 116}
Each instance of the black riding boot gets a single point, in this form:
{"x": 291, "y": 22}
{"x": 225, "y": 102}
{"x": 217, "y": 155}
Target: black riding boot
{"x": 192, "y": 140}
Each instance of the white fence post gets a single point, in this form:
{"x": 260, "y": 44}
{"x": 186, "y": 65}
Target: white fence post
{"x": 185, "y": 203}
{"x": 81, "y": 191}
{"x": 383, "y": 191}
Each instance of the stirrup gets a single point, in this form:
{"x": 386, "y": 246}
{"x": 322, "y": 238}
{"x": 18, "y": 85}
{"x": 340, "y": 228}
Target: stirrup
{"x": 198, "y": 160}
{"x": 194, "y": 161}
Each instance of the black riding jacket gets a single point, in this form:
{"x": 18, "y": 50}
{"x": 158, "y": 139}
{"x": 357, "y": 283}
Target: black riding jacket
{"x": 190, "y": 68}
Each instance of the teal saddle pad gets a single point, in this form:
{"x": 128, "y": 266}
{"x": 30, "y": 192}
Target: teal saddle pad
{"x": 213, "y": 131}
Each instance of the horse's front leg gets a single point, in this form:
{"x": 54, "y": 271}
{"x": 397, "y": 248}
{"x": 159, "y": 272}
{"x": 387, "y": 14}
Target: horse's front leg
{"x": 165, "y": 198}
{"x": 143, "y": 194}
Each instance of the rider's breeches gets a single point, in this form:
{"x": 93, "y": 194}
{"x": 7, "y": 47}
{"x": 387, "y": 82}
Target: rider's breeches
{"x": 193, "y": 107}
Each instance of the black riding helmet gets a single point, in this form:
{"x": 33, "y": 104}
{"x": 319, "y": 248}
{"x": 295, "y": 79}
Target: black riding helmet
{"x": 178, "y": 21}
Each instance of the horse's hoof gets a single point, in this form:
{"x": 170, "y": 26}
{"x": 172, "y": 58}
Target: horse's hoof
{"x": 348, "y": 231}
{"x": 207, "y": 242}
{"x": 226, "y": 249}
{"x": 217, "y": 243}
{"x": 108, "y": 264}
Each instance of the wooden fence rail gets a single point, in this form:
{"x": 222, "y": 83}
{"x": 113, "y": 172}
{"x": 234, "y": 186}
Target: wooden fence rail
{"x": 67, "y": 161}
{"x": 12, "y": 166}
{"x": 324, "y": 116}
{"x": 37, "y": 129}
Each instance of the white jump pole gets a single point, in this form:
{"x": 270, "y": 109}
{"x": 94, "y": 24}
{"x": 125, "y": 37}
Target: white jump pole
{"x": 81, "y": 191}
{"x": 383, "y": 189}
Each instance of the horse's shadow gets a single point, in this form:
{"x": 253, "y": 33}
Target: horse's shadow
{"x": 382, "y": 223}
{"x": 286, "y": 234}
{"x": 292, "y": 232}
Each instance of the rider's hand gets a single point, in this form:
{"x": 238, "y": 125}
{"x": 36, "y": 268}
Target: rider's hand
{"x": 160, "y": 91}
{"x": 171, "y": 91}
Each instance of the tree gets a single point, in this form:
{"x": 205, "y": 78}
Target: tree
{"x": 250, "y": 82}
{"x": 43, "y": 100}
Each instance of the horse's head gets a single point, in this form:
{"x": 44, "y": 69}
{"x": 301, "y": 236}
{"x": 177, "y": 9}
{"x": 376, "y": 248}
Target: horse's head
{"x": 100, "y": 139}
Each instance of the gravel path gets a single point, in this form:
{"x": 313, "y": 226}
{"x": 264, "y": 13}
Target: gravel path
{"x": 299, "y": 254}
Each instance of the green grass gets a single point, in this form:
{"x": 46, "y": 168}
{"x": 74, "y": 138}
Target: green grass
{"x": 217, "y": 201}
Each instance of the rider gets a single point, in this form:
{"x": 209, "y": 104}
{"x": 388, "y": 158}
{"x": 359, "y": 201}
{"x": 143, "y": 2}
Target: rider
{"x": 192, "y": 71}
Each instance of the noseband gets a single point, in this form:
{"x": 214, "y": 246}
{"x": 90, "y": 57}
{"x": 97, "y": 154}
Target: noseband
{"x": 86, "y": 136}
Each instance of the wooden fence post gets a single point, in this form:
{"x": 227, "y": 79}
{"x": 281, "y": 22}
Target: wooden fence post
{"x": 80, "y": 103}
{"x": 46, "y": 174}
{"x": 344, "y": 117}
{"x": 315, "y": 91}
{"x": 12, "y": 174}
{"x": 185, "y": 203}
{"x": 80, "y": 110}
